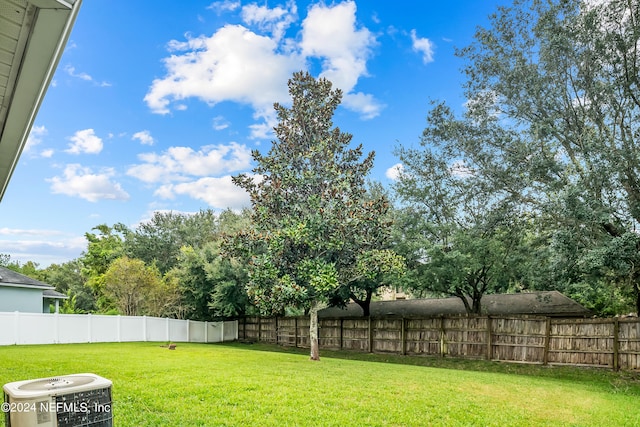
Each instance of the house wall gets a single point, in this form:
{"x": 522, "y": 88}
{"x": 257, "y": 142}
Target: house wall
{"x": 26, "y": 300}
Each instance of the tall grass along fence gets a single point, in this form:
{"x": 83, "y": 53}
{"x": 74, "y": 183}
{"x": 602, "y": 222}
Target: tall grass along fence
{"x": 36, "y": 328}
{"x": 609, "y": 343}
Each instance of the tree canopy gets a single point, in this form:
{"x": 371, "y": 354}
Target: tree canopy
{"x": 550, "y": 129}
{"x": 309, "y": 207}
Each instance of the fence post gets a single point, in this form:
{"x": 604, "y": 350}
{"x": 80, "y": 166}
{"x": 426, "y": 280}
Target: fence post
{"x": 89, "y": 331}
{"x": 56, "y": 327}
{"x": 370, "y": 336}
{"x": 259, "y": 328}
{"x": 443, "y": 344}
{"x": 547, "y": 339}
{"x": 403, "y": 335}
{"x": 616, "y": 344}
{"x": 489, "y": 345}
{"x": 277, "y": 330}
{"x": 341, "y": 332}
{"x": 295, "y": 332}
{"x": 119, "y": 328}
{"x": 16, "y": 327}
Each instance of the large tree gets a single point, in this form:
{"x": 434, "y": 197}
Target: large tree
{"x": 309, "y": 205}
{"x": 68, "y": 279}
{"x": 159, "y": 239}
{"x": 103, "y": 248}
{"x": 460, "y": 237}
{"x": 133, "y": 286}
{"x": 212, "y": 281}
{"x": 552, "y": 122}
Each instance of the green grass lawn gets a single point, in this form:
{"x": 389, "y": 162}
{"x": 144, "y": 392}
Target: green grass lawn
{"x": 261, "y": 385}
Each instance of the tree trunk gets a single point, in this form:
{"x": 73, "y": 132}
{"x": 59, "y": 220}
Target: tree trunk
{"x": 477, "y": 308}
{"x": 364, "y": 304}
{"x": 313, "y": 330}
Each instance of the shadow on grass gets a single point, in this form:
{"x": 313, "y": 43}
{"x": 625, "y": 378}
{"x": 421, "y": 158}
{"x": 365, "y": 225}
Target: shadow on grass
{"x": 626, "y": 382}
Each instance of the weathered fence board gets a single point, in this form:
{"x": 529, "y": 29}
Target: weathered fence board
{"x": 584, "y": 342}
{"x": 610, "y": 343}
{"x": 518, "y": 339}
{"x": 629, "y": 344}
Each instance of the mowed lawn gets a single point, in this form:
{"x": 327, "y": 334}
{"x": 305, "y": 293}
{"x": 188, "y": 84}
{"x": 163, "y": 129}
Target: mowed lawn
{"x": 259, "y": 385}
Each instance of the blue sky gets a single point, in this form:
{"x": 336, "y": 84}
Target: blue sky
{"x": 155, "y": 105}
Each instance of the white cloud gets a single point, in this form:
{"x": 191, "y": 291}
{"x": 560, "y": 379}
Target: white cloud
{"x": 56, "y": 248}
{"x": 35, "y": 137}
{"x": 252, "y": 66}
{"x": 144, "y": 136}
{"x": 218, "y": 193}
{"x": 423, "y": 46}
{"x": 30, "y": 232}
{"x": 78, "y": 181}
{"x": 395, "y": 171}
{"x": 179, "y": 163}
{"x": 219, "y": 123}
{"x": 275, "y": 21}
{"x": 365, "y": 104}
{"x": 331, "y": 33}
{"x": 262, "y": 130}
{"x": 234, "y": 64}
{"x": 224, "y": 6}
{"x": 71, "y": 71}
{"x": 85, "y": 141}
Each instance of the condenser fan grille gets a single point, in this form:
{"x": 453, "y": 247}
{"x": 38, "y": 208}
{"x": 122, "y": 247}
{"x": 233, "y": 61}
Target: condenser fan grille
{"x": 86, "y": 408}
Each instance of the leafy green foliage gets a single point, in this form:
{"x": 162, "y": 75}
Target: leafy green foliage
{"x": 461, "y": 235}
{"x": 159, "y": 239}
{"x": 132, "y": 286}
{"x": 68, "y": 279}
{"x": 102, "y": 250}
{"x": 211, "y": 285}
{"x": 548, "y": 135}
{"x": 564, "y": 77}
{"x": 311, "y": 216}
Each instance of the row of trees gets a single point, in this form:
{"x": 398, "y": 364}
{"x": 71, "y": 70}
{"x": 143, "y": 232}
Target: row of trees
{"x": 544, "y": 160}
{"x": 533, "y": 187}
{"x": 170, "y": 265}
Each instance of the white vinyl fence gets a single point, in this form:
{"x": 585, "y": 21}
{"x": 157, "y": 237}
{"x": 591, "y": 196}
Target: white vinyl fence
{"x": 36, "y": 328}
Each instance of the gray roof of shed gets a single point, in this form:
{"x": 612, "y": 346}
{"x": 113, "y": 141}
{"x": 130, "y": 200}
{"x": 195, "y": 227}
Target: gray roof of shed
{"x": 51, "y": 294}
{"x": 547, "y": 303}
{"x": 11, "y": 278}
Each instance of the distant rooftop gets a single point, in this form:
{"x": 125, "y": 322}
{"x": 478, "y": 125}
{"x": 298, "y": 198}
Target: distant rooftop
{"x": 547, "y": 303}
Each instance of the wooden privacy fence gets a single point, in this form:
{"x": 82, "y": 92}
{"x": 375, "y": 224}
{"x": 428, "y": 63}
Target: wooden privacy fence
{"x": 610, "y": 343}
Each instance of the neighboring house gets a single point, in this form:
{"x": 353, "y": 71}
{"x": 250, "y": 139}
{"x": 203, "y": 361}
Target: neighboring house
{"x": 392, "y": 293}
{"x": 22, "y": 293}
{"x": 548, "y": 303}
{"x": 33, "y": 34}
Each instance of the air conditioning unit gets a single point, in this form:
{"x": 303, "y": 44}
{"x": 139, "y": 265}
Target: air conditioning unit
{"x": 64, "y": 401}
